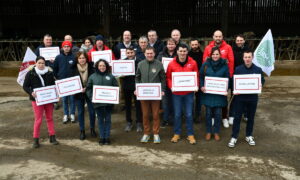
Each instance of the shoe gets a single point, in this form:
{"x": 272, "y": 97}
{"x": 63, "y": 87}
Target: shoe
{"x": 128, "y": 127}
{"x": 65, "y": 119}
{"x": 212, "y": 121}
{"x": 56, "y": 106}
{"x": 82, "y": 135}
{"x": 217, "y": 137}
{"x": 225, "y": 123}
{"x": 107, "y": 141}
{"x": 207, "y": 136}
{"x": 101, "y": 141}
{"x": 175, "y": 138}
{"x": 139, "y": 127}
{"x": 164, "y": 124}
{"x": 250, "y": 140}
{"x": 53, "y": 140}
{"x": 36, "y": 143}
{"x": 93, "y": 133}
{"x": 191, "y": 139}
{"x": 232, "y": 142}
{"x": 72, "y": 116}
{"x": 145, "y": 138}
{"x": 156, "y": 139}
{"x": 230, "y": 121}
{"x": 245, "y": 119}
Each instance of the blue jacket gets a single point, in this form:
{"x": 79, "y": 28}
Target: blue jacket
{"x": 214, "y": 69}
{"x": 120, "y": 46}
{"x": 242, "y": 69}
{"x": 63, "y": 65}
{"x": 140, "y": 54}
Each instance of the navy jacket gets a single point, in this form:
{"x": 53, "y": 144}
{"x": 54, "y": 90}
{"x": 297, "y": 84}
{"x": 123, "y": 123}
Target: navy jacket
{"x": 140, "y": 54}
{"x": 120, "y": 46}
{"x": 158, "y": 46}
{"x": 63, "y": 65}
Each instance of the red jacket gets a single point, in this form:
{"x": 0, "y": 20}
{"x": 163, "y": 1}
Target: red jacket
{"x": 95, "y": 49}
{"x": 226, "y": 53}
{"x": 174, "y": 66}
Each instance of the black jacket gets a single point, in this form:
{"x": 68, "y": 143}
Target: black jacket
{"x": 238, "y": 54}
{"x": 197, "y": 56}
{"x": 128, "y": 82}
{"x": 158, "y": 46}
{"x": 165, "y": 53}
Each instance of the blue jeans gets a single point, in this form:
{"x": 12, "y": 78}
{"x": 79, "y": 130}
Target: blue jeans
{"x": 68, "y": 103}
{"x": 232, "y": 109}
{"x": 183, "y": 102}
{"x": 217, "y": 113}
{"x": 80, "y": 106}
{"x": 167, "y": 106}
{"x": 104, "y": 121}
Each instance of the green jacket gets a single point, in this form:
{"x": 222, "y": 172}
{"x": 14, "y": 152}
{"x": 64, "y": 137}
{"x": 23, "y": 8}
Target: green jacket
{"x": 151, "y": 72}
{"x": 101, "y": 80}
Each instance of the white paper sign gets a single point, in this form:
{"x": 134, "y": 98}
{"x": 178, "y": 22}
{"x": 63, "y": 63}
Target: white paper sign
{"x": 46, "y": 95}
{"x": 105, "y": 94}
{"x": 165, "y": 61}
{"x": 49, "y": 52}
{"x": 123, "y": 53}
{"x": 247, "y": 84}
{"x": 123, "y": 67}
{"x": 148, "y": 91}
{"x": 215, "y": 85}
{"x": 184, "y": 81}
{"x": 68, "y": 86}
{"x": 106, "y": 55}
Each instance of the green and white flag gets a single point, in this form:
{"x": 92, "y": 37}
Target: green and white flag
{"x": 264, "y": 54}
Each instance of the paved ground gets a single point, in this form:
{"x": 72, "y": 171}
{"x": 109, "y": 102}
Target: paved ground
{"x": 276, "y": 156}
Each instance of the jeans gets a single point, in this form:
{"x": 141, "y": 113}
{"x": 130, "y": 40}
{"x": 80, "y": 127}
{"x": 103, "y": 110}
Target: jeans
{"x": 68, "y": 103}
{"x": 168, "y": 114}
{"x": 183, "y": 102}
{"x": 232, "y": 109}
{"x": 128, "y": 95}
{"x": 104, "y": 121}
{"x": 80, "y": 106}
{"x": 216, "y": 113}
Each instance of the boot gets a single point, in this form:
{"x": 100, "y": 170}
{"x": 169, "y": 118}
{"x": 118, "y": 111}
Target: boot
{"x": 101, "y": 141}
{"x": 82, "y": 135}
{"x": 53, "y": 140}
{"x": 36, "y": 143}
{"x": 93, "y": 132}
{"x": 107, "y": 141}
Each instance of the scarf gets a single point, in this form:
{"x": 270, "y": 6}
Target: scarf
{"x": 83, "y": 73}
{"x": 40, "y": 73}
{"x": 216, "y": 64}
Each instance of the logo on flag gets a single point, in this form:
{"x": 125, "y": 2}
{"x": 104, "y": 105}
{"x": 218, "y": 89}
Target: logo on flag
{"x": 29, "y": 59}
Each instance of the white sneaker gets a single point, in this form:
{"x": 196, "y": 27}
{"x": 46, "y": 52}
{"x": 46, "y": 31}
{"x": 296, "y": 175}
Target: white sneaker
{"x": 232, "y": 142}
{"x": 250, "y": 140}
{"x": 225, "y": 123}
{"x": 145, "y": 138}
{"x": 231, "y": 120}
{"x": 156, "y": 139}
{"x": 212, "y": 121}
{"x": 65, "y": 119}
{"x": 72, "y": 118}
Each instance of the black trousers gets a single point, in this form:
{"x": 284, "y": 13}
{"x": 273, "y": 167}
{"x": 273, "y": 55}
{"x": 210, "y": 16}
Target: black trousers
{"x": 128, "y": 95}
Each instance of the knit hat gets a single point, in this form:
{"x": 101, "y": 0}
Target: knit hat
{"x": 66, "y": 43}
{"x": 99, "y": 37}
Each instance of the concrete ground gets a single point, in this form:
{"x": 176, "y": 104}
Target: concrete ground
{"x": 276, "y": 155}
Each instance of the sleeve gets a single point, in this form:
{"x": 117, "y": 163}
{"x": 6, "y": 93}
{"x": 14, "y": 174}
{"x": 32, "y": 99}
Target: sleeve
{"x": 114, "y": 81}
{"x": 205, "y": 55}
{"x": 230, "y": 60}
{"x": 116, "y": 52}
{"x": 202, "y": 76}
{"x": 89, "y": 88}
{"x": 138, "y": 74}
{"x": 55, "y": 67}
{"x": 27, "y": 84}
{"x": 162, "y": 75}
{"x": 169, "y": 76}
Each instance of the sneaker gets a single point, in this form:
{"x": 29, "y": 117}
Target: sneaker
{"x": 231, "y": 120}
{"x": 128, "y": 127}
{"x": 212, "y": 121}
{"x": 65, "y": 119}
{"x": 156, "y": 139}
{"x": 250, "y": 140}
{"x": 72, "y": 116}
{"x": 208, "y": 136}
{"x": 175, "y": 138}
{"x": 139, "y": 127}
{"x": 225, "y": 123}
{"x": 245, "y": 119}
{"x": 232, "y": 142}
{"x": 145, "y": 138}
{"x": 191, "y": 139}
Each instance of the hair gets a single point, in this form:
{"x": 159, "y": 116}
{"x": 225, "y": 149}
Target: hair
{"x": 239, "y": 35}
{"x": 152, "y": 30}
{"x": 88, "y": 38}
{"x": 130, "y": 48}
{"x": 39, "y": 58}
{"x": 215, "y": 49}
{"x": 194, "y": 39}
{"x": 171, "y": 40}
{"x": 47, "y": 35}
{"x": 79, "y": 54}
{"x": 106, "y": 64}
{"x": 248, "y": 51}
{"x": 143, "y": 38}
{"x": 175, "y": 30}
{"x": 182, "y": 46}
{"x": 150, "y": 48}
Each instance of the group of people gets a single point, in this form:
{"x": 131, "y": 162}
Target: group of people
{"x": 219, "y": 59}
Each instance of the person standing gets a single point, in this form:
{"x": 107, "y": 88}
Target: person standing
{"x": 99, "y": 46}
{"x": 126, "y": 43}
{"x": 74, "y": 48}
{"x": 87, "y": 45}
{"x": 143, "y": 44}
{"x": 155, "y": 42}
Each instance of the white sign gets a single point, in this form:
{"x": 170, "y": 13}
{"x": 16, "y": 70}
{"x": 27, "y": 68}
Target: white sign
{"x": 106, "y": 55}
{"x": 68, "y": 86}
{"x": 123, "y": 53}
{"x": 46, "y": 95}
{"x": 123, "y": 67}
{"x": 49, "y": 52}
{"x": 165, "y": 61}
{"x": 247, "y": 84}
{"x": 105, "y": 94}
{"x": 215, "y": 85}
{"x": 148, "y": 91}
{"x": 184, "y": 81}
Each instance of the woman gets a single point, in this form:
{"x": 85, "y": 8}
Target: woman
{"x": 215, "y": 66}
{"x": 39, "y": 76}
{"x": 102, "y": 77}
{"x": 84, "y": 69}
{"x": 87, "y": 45}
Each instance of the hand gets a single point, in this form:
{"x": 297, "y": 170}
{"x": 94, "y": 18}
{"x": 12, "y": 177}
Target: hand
{"x": 172, "y": 89}
{"x": 162, "y": 93}
{"x": 226, "y": 94}
{"x": 197, "y": 89}
{"x": 33, "y": 94}
{"x": 203, "y": 89}
{"x": 134, "y": 92}
{"x": 52, "y": 60}
{"x": 83, "y": 90}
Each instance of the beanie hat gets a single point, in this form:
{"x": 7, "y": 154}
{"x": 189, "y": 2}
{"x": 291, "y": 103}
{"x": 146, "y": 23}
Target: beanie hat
{"x": 66, "y": 43}
{"x": 99, "y": 37}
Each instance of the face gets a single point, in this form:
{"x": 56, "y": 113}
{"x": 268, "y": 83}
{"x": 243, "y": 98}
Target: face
{"x": 171, "y": 45}
{"x": 99, "y": 44}
{"x": 130, "y": 54}
{"x": 248, "y": 59}
{"x": 218, "y": 37}
{"x": 215, "y": 55}
{"x": 68, "y": 38}
{"x": 102, "y": 67}
{"x": 195, "y": 45}
{"x": 82, "y": 60}
{"x": 176, "y": 35}
{"x": 182, "y": 53}
{"x": 149, "y": 54}
{"x": 87, "y": 42}
{"x": 40, "y": 64}
{"x": 239, "y": 41}
{"x": 47, "y": 41}
{"x": 143, "y": 44}
{"x": 66, "y": 49}
{"x": 152, "y": 36}
{"x": 126, "y": 36}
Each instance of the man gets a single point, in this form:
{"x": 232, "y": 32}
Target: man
{"x": 183, "y": 100}
{"x": 128, "y": 85}
{"x": 248, "y": 101}
{"x": 99, "y": 46}
{"x": 143, "y": 44}
{"x": 47, "y": 42}
{"x": 126, "y": 43}
{"x": 75, "y": 49}
{"x": 197, "y": 54}
{"x": 176, "y": 35}
{"x": 62, "y": 70}
{"x": 226, "y": 53}
{"x": 155, "y": 42}
{"x": 150, "y": 70}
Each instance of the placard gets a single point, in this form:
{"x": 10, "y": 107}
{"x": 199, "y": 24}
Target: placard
{"x": 105, "y": 94}
{"x": 49, "y": 53}
{"x": 165, "y": 61}
{"x": 148, "y": 91}
{"x": 215, "y": 85}
{"x": 46, "y": 95}
{"x": 68, "y": 86}
{"x": 184, "y": 81}
{"x": 123, "y": 67}
{"x": 106, "y": 55}
{"x": 247, "y": 84}
{"x": 123, "y": 53}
